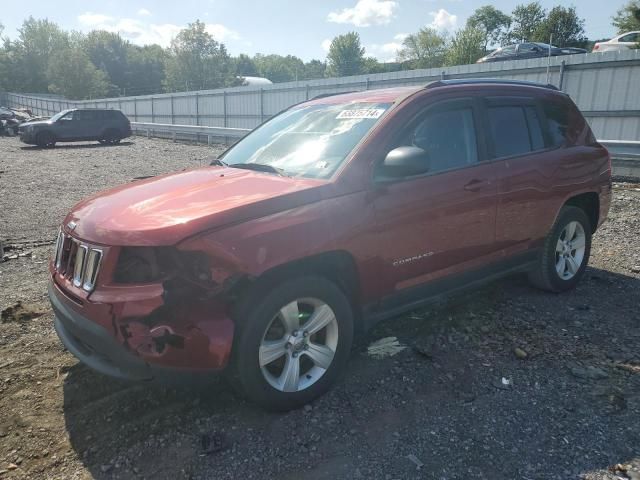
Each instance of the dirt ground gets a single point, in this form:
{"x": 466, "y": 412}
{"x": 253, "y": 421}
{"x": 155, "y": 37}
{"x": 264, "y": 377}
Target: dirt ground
{"x": 457, "y": 403}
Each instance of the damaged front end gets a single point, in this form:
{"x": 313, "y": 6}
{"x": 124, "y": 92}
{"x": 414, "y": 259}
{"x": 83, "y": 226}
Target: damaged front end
{"x": 163, "y": 306}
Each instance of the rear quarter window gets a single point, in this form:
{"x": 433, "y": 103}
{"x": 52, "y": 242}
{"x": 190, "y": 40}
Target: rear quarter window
{"x": 557, "y": 116}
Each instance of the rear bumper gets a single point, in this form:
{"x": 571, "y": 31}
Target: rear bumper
{"x": 100, "y": 350}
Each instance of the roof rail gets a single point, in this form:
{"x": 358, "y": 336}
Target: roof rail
{"x": 325, "y": 95}
{"x": 476, "y": 81}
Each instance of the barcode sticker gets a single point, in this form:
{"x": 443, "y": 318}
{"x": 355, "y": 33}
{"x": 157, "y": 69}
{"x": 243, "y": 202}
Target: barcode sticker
{"x": 361, "y": 113}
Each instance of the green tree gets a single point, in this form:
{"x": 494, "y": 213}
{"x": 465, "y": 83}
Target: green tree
{"x": 564, "y": 27}
{"x": 314, "y": 69}
{"x": 146, "y": 69}
{"x": 72, "y": 74}
{"x": 278, "y": 68}
{"x": 346, "y": 56}
{"x": 526, "y": 20}
{"x": 108, "y": 52}
{"x": 467, "y": 46}
{"x": 372, "y": 65}
{"x": 425, "y": 49}
{"x": 198, "y": 61}
{"x": 627, "y": 18}
{"x": 245, "y": 66}
{"x": 494, "y": 23}
{"x": 38, "y": 41}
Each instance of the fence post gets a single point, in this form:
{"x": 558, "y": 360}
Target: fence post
{"x": 153, "y": 113}
{"x": 224, "y": 106}
{"x": 306, "y": 93}
{"x": 135, "y": 108}
{"x": 366, "y": 84}
{"x": 197, "y": 109}
{"x": 172, "y": 116}
{"x": 261, "y": 105}
{"x": 563, "y": 65}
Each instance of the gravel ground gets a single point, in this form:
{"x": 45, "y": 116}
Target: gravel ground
{"x": 504, "y": 383}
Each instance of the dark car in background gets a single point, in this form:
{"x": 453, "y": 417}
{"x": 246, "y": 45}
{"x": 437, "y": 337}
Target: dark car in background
{"x": 76, "y": 125}
{"x": 522, "y": 51}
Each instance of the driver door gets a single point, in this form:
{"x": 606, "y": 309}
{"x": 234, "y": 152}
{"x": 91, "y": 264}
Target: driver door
{"x": 442, "y": 222}
{"x": 66, "y": 126}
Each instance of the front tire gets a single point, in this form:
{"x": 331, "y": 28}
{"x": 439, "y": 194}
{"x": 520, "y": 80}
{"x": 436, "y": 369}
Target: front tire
{"x": 293, "y": 342}
{"x": 46, "y": 140}
{"x": 565, "y": 253}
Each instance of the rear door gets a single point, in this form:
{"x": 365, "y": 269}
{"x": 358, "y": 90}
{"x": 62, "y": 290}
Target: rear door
{"x": 94, "y": 124}
{"x": 442, "y": 222}
{"x": 630, "y": 40}
{"x": 531, "y": 140}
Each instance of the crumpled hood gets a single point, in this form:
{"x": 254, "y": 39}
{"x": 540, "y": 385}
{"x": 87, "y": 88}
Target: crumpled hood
{"x": 164, "y": 210}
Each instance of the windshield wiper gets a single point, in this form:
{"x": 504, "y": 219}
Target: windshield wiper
{"x": 260, "y": 167}
{"x": 218, "y": 162}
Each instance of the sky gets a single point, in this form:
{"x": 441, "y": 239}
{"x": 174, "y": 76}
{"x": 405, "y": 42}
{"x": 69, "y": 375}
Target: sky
{"x": 303, "y": 28}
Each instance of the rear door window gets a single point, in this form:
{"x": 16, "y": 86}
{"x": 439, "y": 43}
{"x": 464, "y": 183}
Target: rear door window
{"x": 632, "y": 38}
{"x": 515, "y": 130}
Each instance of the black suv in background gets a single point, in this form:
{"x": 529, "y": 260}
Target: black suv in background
{"x": 105, "y": 126}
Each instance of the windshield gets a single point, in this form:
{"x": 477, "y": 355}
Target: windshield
{"x": 310, "y": 141}
{"x": 59, "y": 115}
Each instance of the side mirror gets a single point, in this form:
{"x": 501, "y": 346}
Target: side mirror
{"x": 404, "y": 162}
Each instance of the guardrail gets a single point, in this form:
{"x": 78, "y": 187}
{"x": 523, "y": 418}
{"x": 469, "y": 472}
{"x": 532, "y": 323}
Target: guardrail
{"x": 180, "y": 132}
{"x": 625, "y": 157}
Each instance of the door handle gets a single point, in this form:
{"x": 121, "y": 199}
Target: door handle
{"x": 476, "y": 184}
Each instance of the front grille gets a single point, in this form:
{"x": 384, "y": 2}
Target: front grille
{"x": 77, "y": 261}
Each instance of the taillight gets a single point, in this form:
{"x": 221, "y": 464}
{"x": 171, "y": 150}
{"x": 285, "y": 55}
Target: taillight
{"x": 596, "y": 47}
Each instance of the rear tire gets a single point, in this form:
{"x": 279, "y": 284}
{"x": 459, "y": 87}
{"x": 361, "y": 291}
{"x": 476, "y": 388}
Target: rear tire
{"x": 111, "y": 137}
{"x": 293, "y": 341}
{"x": 45, "y": 140}
{"x": 565, "y": 253}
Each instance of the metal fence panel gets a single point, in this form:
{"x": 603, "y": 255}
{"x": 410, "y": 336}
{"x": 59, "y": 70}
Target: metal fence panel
{"x": 604, "y": 85}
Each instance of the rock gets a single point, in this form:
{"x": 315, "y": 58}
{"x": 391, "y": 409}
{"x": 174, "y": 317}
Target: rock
{"x": 520, "y": 353}
{"x": 12, "y": 466}
{"x": 635, "y": 269}
{"x": 503, "y": 383}
{"x": 105, "y": 468}
{"x": 308, "y": 408}
{"x": 416, "y": 461}
{"x": 589, "y": 373}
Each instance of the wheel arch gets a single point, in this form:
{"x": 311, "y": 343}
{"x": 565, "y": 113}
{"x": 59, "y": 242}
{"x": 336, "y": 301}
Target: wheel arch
{"x": 589, "y": 202}
{"x": 47, "y": 131}
{"x": 337, "y": 266}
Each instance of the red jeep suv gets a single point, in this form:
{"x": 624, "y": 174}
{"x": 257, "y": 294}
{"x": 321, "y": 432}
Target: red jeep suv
{"x": 336, "y": 213}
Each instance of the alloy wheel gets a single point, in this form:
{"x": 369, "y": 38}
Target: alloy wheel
{"x": 299, "y": 345}
{"x": 570, "y": 249}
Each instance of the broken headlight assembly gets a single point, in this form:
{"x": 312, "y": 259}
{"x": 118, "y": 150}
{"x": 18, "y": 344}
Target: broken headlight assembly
{"x": 162, "y": 264}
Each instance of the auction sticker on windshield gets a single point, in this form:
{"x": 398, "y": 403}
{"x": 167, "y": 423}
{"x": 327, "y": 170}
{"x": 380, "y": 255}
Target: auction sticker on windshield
{"x": 361, "y": 113}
